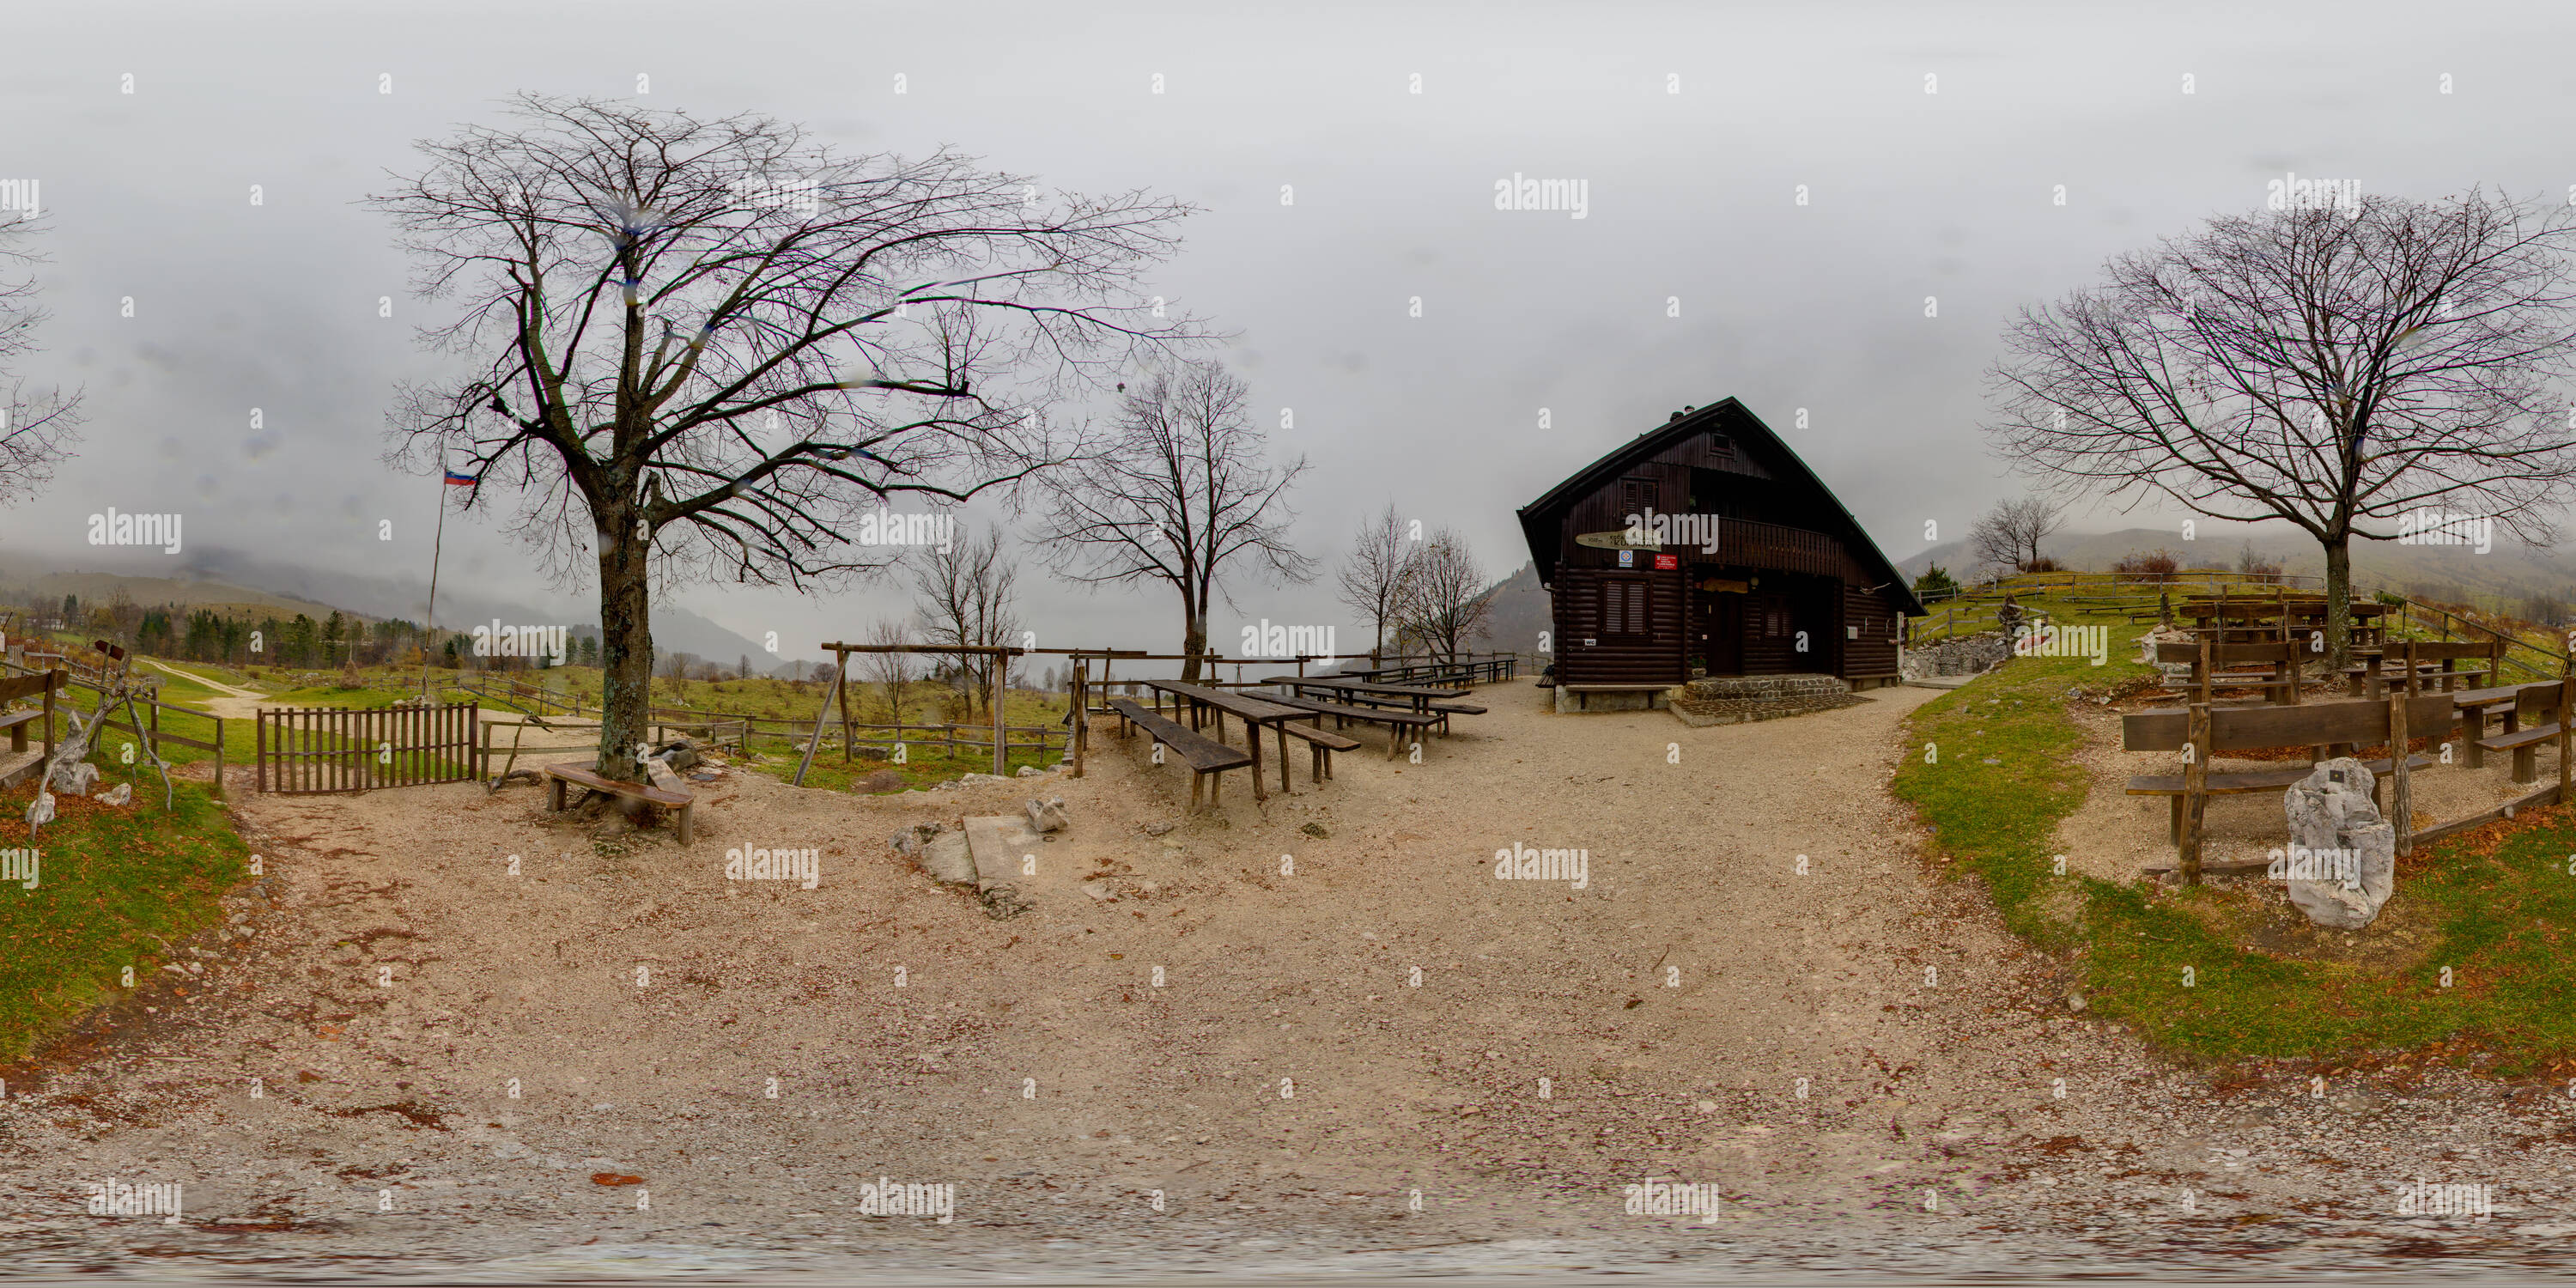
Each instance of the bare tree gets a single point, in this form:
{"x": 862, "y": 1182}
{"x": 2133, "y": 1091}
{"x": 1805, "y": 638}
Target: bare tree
{"x": 2335, "y": 369}
{"x": 892, "y": 673}
{"x": 1183, "y": 491}
{"x": 1445, "y": 602}
{"x": 2008, "y": 536}
{"x": 1378, "y": 573}
{"x": 36, "y": 433}
{"x": 705, "y": 347}
{"x": 965, "y": 595}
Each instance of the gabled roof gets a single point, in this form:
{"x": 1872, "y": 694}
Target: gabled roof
{"x": 1540, "y": 519}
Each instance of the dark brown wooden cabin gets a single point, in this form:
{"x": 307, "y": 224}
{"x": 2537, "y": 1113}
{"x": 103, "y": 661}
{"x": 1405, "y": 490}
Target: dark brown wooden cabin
{"x": 1791, "y": 563}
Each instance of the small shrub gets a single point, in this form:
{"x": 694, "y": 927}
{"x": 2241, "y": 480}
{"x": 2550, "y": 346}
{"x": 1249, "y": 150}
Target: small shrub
{"x": 2155, "y": 565}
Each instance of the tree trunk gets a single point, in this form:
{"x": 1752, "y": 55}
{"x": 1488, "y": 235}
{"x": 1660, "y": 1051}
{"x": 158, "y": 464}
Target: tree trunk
{"x": 625, "y": 651}
{"x": 2339, "y": 601}
{"x": 1193, "y": 643}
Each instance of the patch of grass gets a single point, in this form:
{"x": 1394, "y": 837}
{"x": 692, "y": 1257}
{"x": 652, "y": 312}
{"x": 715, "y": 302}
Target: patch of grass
{"x": 2496, "y": 905}
{"x": 110, "y": 884}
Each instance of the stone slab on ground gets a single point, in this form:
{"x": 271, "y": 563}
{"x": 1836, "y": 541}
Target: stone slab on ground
{"x": 948, "y": 860}
{"x": 998, "y": 841}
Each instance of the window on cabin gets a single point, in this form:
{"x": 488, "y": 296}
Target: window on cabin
{"x": 1636, "y": 496}
{"x": 1623, "y": 610}
{"x": 1720, "y": 446}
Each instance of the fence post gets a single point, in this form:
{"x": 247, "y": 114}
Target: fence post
{"x": 1001, "y": 686}
{"x": 219, "y": 757}
{"x": 2566, "y": 708}
{"x": 2401, "y": 798}
{"x": 1080, "y": 736}
{"x": 2195, "y": 790}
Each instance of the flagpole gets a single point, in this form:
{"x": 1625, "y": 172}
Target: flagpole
{"x": 435, "y": 541}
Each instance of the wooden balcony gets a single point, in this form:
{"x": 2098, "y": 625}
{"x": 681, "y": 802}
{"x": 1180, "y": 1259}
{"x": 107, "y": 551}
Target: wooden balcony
{"x": 1747, "y": 544}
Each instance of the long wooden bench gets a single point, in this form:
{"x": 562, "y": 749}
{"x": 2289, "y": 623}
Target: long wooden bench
{"x": 1207, "y": 758}
{"x": 1444, "y": 710}
{"x": 1321, "y": 741}
{"x": 2243, "y": 782}
{"x": 2205, "y": 732}
{"x": 2531, "y": 717}
{"x": 1343, "y": 713}
{"x": 558, "y": 777}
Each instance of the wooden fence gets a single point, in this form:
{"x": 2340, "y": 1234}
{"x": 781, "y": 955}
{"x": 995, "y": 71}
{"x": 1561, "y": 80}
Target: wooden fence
{"x": 150, "y": 708}
{"x": 306, "y": 750}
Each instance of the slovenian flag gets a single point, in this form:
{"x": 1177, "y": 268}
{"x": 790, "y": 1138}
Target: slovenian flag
{"x": 455, "y": 479}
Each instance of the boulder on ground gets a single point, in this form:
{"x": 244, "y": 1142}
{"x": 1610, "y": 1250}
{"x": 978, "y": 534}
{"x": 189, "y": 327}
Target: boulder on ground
{"x": 40, "y": 811}
{"x": 2331, "y": 814}
{"x": 1030, "y": 771}
{"x": 75, "y": 778}
{"x": 1047, "y": 815}
{"x": 123, "y": 795}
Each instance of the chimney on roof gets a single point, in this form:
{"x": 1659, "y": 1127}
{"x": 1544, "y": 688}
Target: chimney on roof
{"x": 1674, "y": 417}
{"x": 1688, "y": 410}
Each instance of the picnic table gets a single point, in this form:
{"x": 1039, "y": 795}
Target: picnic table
{"x": 1253, "y": 712}
{"x": 1420, "y": 695}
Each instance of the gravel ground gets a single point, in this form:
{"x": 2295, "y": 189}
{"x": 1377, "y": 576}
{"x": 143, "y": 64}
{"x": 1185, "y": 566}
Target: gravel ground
{"x": 1850, "y": 1050}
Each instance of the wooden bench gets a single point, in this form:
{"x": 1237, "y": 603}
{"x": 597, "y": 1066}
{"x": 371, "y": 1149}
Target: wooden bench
{"x": 2239, "y": 783}
{"x": 2279, "y": 679}
{"x": 560, "y": 776}
{"x": 2531, "y": 717}
{"x": 16, "y": 723}
{"x": 2210, "y": 731}
{"x": 2414, "y": 661}
{"x": 1444, "y": 710}
{"x": 1207, "y": 758}
{"x": 1343, "y": 713}
{"x": 1322, "y": 741}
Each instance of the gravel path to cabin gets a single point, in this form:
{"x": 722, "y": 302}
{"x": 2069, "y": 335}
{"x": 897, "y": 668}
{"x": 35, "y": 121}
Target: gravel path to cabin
{"x": 1855, "y": 1055}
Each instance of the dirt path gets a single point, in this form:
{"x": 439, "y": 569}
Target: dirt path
{"x": 1856, "y": 1056}
{"x": 236, "y": 704}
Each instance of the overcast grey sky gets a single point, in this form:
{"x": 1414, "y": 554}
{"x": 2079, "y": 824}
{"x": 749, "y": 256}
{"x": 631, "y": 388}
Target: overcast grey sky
{"x": 1693, "y": 127}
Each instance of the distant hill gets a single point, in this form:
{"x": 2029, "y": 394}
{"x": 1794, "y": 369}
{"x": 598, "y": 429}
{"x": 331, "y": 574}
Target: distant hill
{"x": 1520, "y": 613}
{"x": 2509, "y": 577}
{"x": 215, "y": 578}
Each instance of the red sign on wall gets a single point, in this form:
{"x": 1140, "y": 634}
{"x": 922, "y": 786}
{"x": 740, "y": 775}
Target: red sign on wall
{"x": 1665, "y": 563}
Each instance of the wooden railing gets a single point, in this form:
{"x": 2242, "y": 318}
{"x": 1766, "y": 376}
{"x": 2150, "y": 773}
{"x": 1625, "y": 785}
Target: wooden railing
{"x": 151, "y": 708}
{"x": 1775, "y": 546}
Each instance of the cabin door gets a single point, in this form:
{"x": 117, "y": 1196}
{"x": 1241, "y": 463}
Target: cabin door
{"x": 1721, "y": 625}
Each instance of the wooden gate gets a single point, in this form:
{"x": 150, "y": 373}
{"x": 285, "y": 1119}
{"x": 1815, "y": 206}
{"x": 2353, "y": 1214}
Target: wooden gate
{"x": 303, "y": 750}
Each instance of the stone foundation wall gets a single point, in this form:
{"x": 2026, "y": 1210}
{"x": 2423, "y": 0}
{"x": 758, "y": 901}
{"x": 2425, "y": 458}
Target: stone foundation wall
{"x": 1966, "y": 655}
